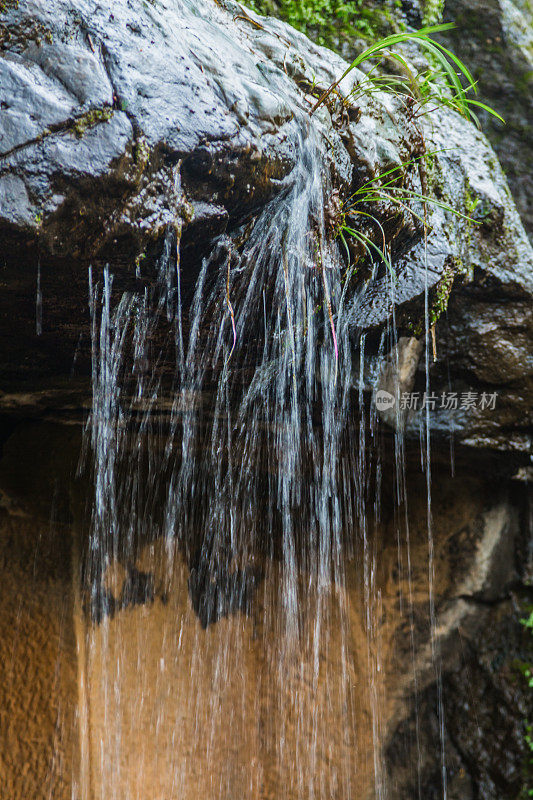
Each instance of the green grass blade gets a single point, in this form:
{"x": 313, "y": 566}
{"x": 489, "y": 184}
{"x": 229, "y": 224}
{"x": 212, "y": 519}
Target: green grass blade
{"x": 383, "y": 44}
{"x": 486, "y": 108}
{"x": 460, "y": 64}
{"x": 448, "y": 72}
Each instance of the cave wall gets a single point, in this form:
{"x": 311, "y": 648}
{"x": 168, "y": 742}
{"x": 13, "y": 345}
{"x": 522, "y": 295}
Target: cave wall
{"x": 39, "y": 743}
{"x": 131, "y": 689}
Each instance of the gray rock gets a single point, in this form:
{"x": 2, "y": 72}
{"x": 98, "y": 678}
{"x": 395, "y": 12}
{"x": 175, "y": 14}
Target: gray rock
{"x": 217, "y": 91}
{"x": 173, "y": 114}
{"x": 495, "y": 40}
{"x": 15, "y": 201}
{"x": 484, "y": 340}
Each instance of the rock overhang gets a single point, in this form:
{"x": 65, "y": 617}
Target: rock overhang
{"x": 120, "y": 125}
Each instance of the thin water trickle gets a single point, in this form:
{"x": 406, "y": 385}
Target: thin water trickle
{"x": 431, "y": 545}
{"x": 234, "y": 643}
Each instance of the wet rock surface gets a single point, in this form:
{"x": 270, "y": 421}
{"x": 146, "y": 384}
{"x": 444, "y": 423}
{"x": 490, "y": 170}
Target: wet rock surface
{"x": 116, "y": 127}
{"x": 495, "y": 39}
{"x": 483, "y": 321}
{"x": 163, "y": 84}
{"x": 486, "y": 754}
{"x": 37, "y": 648}
{"x": 482, "y": 572}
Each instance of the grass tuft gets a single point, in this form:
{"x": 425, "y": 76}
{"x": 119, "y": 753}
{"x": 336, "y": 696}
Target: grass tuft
{"x": 441, "y": 83}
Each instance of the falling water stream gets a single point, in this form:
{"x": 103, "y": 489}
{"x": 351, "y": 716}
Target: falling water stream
{"x": 233, "y": 644}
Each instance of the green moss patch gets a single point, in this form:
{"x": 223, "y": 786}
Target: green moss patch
{"x": 330, "y": 22}
{"x": 90, "y": 119}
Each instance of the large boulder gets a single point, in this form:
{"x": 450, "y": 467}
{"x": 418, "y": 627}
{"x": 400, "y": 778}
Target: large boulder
{"x": 102, "y": 109}
{"x": 495, "y": 39}
{"x": 117, "y": 126}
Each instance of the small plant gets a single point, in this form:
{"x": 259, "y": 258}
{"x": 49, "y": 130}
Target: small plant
{"x": 384, "y": 188}
{"x": 366, "y": 242}
{"x": 471, "y": 202}
{"x": 440, "y": 83}
{"x": 391, "y": 190}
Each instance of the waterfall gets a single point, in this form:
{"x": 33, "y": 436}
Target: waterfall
{"x": 255, "y": 299}
{"x": 231, "y": 587}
